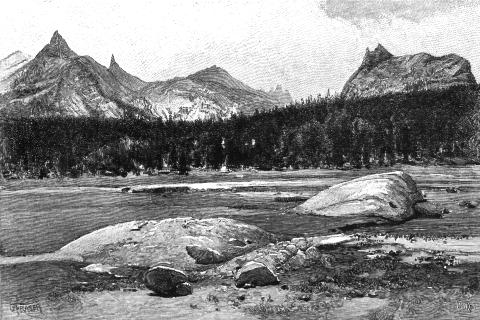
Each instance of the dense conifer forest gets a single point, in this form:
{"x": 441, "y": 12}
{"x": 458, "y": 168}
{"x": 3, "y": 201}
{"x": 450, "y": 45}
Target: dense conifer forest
{"x": 315, "y": 132}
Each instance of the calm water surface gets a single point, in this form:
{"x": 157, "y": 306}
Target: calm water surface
{"x": 37, "y": 218}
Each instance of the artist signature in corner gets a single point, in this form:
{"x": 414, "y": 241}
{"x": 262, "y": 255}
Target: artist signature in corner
{"x": 30, "y": 309}
{"x": 55, "y": 301}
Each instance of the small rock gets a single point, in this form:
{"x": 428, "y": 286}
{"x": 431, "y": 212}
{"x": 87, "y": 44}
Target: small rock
{"x": 305, "y": 297}
{"x": 236, "y": 242}
{"x": 256, "y": 274}
{"x": 97, "y": 268}
{"x": 283, "y": 255}
{"x": 327, "y": 260}
{"x": 297, "y": 261}
{"x": 451, "y": 190}
{"x": 468, "y": 204}
{"x": 372, "y": 293}
{"x": 300, "y": 243}
{"x": 167, "y": 282}
{"x": 356, "y": 293}
{"x": 126, "y": 189}
{"x": 291, "y": 248}
{"x": 333, "y": 239}
{"x": 428, "y": 209}
{"x": 312, "y": 253}
{"x": 203, "y": 255}
{"x": 183, "y": 289}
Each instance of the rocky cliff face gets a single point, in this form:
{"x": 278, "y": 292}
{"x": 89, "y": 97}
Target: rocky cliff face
{"x": 60, "y": 82}
{"x": 383, "y": 73}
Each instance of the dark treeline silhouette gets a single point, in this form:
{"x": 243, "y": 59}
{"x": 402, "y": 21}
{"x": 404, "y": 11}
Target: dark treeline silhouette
{"x": 315, "y": 132}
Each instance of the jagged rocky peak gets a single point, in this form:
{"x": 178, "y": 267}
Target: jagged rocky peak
{"x": 126, "y": 79}
{"x": 283, "y": 97}
{"x": 382, "y": 73}
{"x": 278, "y": 88}
{"x": 64, "y": 83}
{"x": 57, "y": 48}
{"x": 373, "y": 58}
{"x": 113, "y": 63}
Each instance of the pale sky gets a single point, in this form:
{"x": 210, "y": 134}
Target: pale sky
{"x": 306, "y": 46}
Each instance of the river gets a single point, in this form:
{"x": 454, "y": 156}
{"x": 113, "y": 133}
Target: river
{"x": 42, "y": 216}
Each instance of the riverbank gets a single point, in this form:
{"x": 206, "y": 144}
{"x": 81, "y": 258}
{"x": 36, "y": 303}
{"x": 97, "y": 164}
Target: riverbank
{"x": 352, "y": 283}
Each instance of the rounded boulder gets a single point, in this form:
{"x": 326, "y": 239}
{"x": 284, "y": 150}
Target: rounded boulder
{"x": 167, "y": 282}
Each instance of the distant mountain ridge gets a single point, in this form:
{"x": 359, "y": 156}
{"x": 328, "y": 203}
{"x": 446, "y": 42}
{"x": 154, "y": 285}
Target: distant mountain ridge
{"x": 8, "y": 66}
{"x": 211, "y": 92}
{"x": 57, "y": 81}
{"x": 281, "y": 95}
{"x": 382, "y": 73}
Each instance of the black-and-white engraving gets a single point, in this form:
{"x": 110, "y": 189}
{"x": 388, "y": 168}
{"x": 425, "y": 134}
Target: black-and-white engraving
{"x": 208, "y": 159}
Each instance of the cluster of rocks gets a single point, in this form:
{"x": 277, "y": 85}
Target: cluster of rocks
{"x": 256, "y": 268}
{"x": 464, "y": 203}
{"x": 300, "y": 252}
{"x": 468, "y": 204}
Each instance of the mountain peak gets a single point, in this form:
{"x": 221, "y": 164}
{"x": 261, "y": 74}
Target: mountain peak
{"x": 57, "y": 48}
{"x": 213, "y": 71}
{"x": 56, "y": 38}
{"x": 113, "y": 62}
{"x": 381, "y": 50}
{"x": 215, "y": 74}
{"x": 125, "y": 78}
{"x": 14, "y": 58}
{"x": 381, "y": 74}
{"x": 375, "y": 57}
{"x": 283, "y": 97}
{"x": 214, "y": 68}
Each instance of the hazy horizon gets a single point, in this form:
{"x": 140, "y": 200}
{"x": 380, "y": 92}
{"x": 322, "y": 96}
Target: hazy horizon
{"x": 307, "y": 47}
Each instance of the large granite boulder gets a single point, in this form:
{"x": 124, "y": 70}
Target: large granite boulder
{"x": 183, "y": 243}
{"x": 378, "y": 198}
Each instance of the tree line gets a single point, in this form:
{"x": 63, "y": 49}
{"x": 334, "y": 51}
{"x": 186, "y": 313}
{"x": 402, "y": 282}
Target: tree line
{"x": 314, "y": 132}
